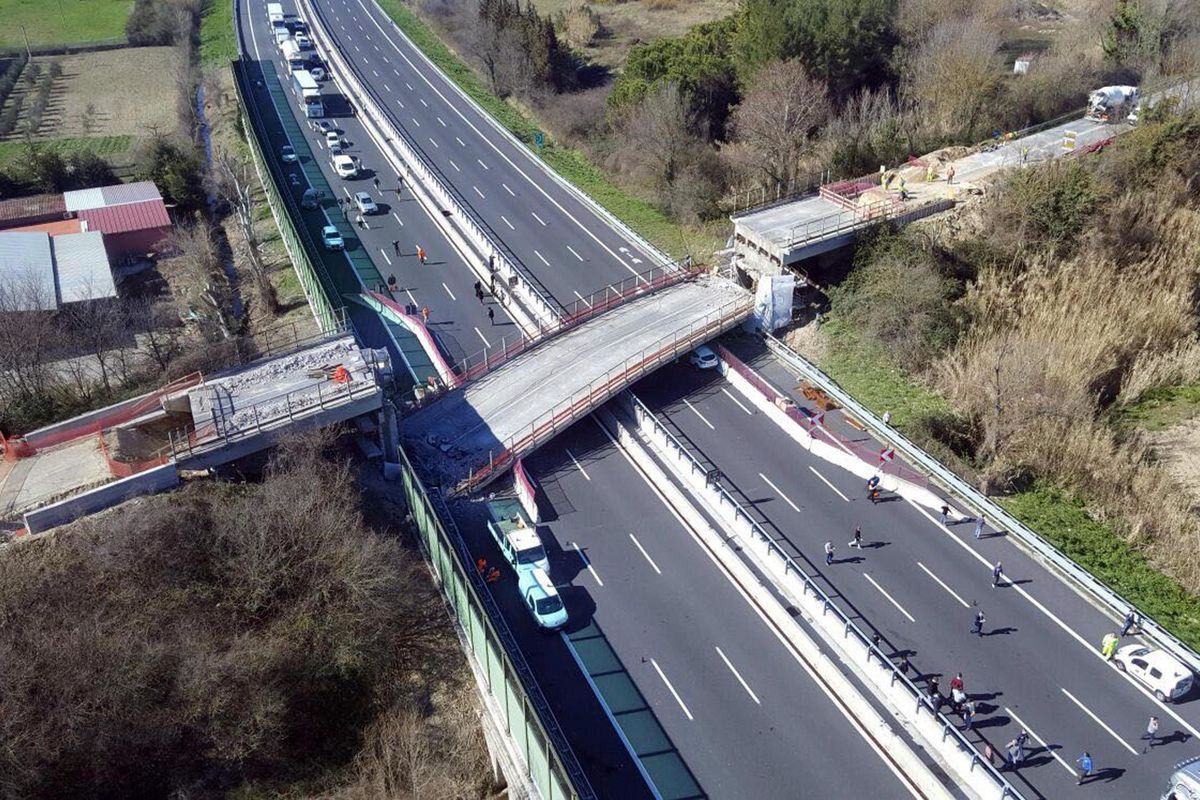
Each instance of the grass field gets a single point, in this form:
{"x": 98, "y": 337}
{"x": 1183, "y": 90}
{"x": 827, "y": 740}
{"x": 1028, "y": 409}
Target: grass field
{"x": 218, "y": 43}
{"x": 61, "y": 21}
{"x": 110, "y": 147}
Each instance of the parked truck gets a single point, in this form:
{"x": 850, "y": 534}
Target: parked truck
{"x": 291, "y": 53}
{"x": 1112, "y": 103}
{"x": 275, "y": 12}
{"x": 518, "y": 539}
{"x": 308, "y": 93}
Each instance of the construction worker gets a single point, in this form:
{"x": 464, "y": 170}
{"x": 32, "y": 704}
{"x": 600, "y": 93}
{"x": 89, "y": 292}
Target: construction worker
{"x": 930, "y": 173}
{"x": 421, "y": 254}
{"x": 493, "y": 575}
{"x": 950, "y": 175}
{"x": 1108, "y": 646}
{"x": 481, "y": 565}
{"x": 340, "y": 375}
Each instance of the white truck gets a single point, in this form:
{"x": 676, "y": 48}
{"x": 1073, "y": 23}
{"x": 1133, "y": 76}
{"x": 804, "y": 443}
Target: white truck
{"x": 275, "y": 12}
{"x": 291, "y": 53}
{"x": 309, "y": 94}
{"x": 1112, "y": 103}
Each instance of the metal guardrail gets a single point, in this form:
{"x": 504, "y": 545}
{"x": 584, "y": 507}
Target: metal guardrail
{"x": 1050, "y": 555}
{"x": 921, "y": 700}
{"x": 528, "y": 718}
{"x": 509, "y": 264}
{"x": 562, "y": 415}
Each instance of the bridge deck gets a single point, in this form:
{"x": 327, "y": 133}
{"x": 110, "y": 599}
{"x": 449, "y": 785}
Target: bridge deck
{"x": 513, "y": 409}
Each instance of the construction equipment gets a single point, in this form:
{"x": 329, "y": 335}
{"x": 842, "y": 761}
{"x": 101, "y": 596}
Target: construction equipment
{"x": 1112, "y": 103}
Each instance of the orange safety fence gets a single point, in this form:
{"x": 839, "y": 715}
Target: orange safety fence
{"x": 124, "y": 469}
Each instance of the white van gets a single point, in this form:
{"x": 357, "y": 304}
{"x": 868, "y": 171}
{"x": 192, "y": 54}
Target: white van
{"x": 1185, "y": 781}
{"x": 542, "y": 599}
{"x": 345, "y": 166}
{"x": 516, "y": 537}
{"x": 1161, "y": 673}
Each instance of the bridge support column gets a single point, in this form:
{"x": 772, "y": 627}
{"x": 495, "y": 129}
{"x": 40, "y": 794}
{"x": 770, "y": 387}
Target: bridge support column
{"x": 389, "y": 440}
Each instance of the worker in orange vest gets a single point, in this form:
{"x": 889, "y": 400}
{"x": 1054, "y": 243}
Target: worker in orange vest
{"x": 341, "y": 375}
{"x": 421, "y": 254}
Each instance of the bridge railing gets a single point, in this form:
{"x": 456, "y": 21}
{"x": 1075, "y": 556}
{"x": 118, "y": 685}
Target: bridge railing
{"x": 506, "y": 677}
{"x": 920, "y": 701}
{"x": 562, "y": 415}
{"x": 579, "y": 312}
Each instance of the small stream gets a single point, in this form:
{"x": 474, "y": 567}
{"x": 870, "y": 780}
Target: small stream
{"x": 206, "y": 139}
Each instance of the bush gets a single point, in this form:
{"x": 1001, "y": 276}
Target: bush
{"x": 1046, "y": 208}
{"x": 176, "y": 168}
{"x": 579, "y": 25}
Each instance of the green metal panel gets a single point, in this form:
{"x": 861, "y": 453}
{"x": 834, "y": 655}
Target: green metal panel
{"x": 515, "y": 699}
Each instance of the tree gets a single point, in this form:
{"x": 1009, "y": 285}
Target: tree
{"x": 96, "y": 327}
{"x": 205, "y": 289}
{"x": 86, "y": 170}
{"x": 774, "y": 126}
{"x": 45, "y": 170}
{"x": 235, "y": 185}
{"x": 176, "y": 168}
{"x": 847, "y": 43}
{"x": 954, "y": 77}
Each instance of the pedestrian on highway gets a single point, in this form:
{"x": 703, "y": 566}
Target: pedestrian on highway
{"x": 997, "y": 574}
{"x": 950, "y": 175}
{"x": 945, "y": 514}
{"x": 346, "y": 213}
{"x": 377, "y": 184}
{"x": 903, "y": 665}
{"x": 857, "y": 540}
{"x": 481, "y": 565}
{"x": 968, "y": 715}
{"x": 396, "y": 246}
{"x": 887, "y": 417}
{"x": 1016, "y": 751}
{"x": 492, "y": 315}
{"x": 421, "y": 254}
{"x": 828, "y": 553}
{"x": 492, "y": 263}
{"x": 979, "y": 526}
{"x": 1131, "y": 619}
{"x": 958, "y": 699}
{"x": 1151, "y": 734}
{"x": 359, "y": 221}
{"x": 425, "y": 313}
{"x": 1085, "y": 767}
{"x": 977, "y": 625}
{"x": 956, "y": 682}
{"x": 935, "y": 693}
{"x": 1025, "y": 154}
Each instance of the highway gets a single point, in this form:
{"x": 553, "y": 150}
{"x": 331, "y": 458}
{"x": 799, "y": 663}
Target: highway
{"x": 445, "y": 283}
{"x": 543, "y": 224}
{"x": 918, "y": 584}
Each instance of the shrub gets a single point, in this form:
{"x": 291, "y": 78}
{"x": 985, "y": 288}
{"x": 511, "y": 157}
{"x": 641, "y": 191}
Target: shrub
{"x": 579, "y": 25}
{"x": 1046, "y": 208}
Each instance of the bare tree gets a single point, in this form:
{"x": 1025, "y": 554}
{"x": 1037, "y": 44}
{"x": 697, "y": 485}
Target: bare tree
{"x": 158, "y": 325}
{"x": 658, "y": 133}
{"x": 96, "y": 327}
{"x": 954, "y": 76}
{"x": 774, "y": 126}
{"x": 204, "y": 286}
{"x": 235, "y": 181}
{"x": 29, "y": 341}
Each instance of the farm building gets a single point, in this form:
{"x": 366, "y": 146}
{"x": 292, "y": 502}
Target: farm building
{"x": 131, "y": 216}
{"x": 40, "y": 272}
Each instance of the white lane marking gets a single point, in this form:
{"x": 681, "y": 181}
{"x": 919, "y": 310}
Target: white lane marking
{"x": 510, "y": 191}
{"x": 476, "y": 188}
{"x": 642, "y": 550}
{"x": 406, "y": 83}
{"x": 542, "y": 257}
{"x": 486, "y": 343}
{"x": 1099, "y": 721}
{"x": 779, "y": 492}
{"x": 397, "y": 216}
{"x": 494, "y": 146}
{"x": 581, "y": 298}
{"x": 572, "y": 249}
{"x": 422, "y": 99}
{"x": 738, "y": 675}
{"x": 578, "y": 466}
{"x": 432, "y": 142}
{"x": 698, "y": 414}
{"x": 729, "y": 394}
{"x": 356, "y": 46}
{"x": 418, "y": 124}
{"x": 410, "y": 296}
{"x": 1094, "y": 651}
{"x": 674, "y": 693}
{"x": 396, "y": 71}
{"x": 941, "y": 583}
{"x": 480, "y": 160}
{"x": 460, "y": 141}
{"x": 383, "y": 253}
{"x": 539, "y": 219}
{"x": 401, "y": 103}
{"x": 347, "y": 191}
{"x": 375, "y": 73}
{"x": 1041, "y": 741}
{"x": 587, "y": 563}
{"x": 506, "y": 222}
{"x": 387, "y": 88}
{"x": 899, "y": 607}
{"x": 787, "y": 646}
{"x": 447, "y": 288}
{"x": 442, "y": 121}
{"x": 456, "y": 169}
{"x": 830, "y": 485}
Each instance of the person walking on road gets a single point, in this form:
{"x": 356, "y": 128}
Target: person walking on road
{"x": 396, "y": 246}
{"x": 956, "y": 682}
{"x": 977, "y": 625}
{"x": 857, "y": 540}
{"x": 945, "y": 514}
{"x": 997, "y": 574}
{"x": 425, "y": 314}
{"x": 935, "y": 693}
{"x": 979, "y": 526}
{"x": 950, "y": 175}
{"x": 1131, "y": 620}
{"x": 968, "y": 715}
{"x": 1151, "y": 734}
{"x": 1085, "y": 767}
{"x": 491, "y": 314}
{"x": 828, "y": 553}
{"x": 421, "y": 254}
{"x": 377, "y": 184}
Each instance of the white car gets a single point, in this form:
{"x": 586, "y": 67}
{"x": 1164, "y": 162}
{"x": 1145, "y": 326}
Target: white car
{"x": 333, "y": 140}
{"x": 324, "y": 127}
{"x": 345, "y": 166}
{"x": 1160, "y": 672}
{"x": 288, "y": 154}
{"x": 332, "y": 239}
{"x": 318, "y": 73}
{"x": 703, "y": 357}
{"x": 365, "y": 204}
